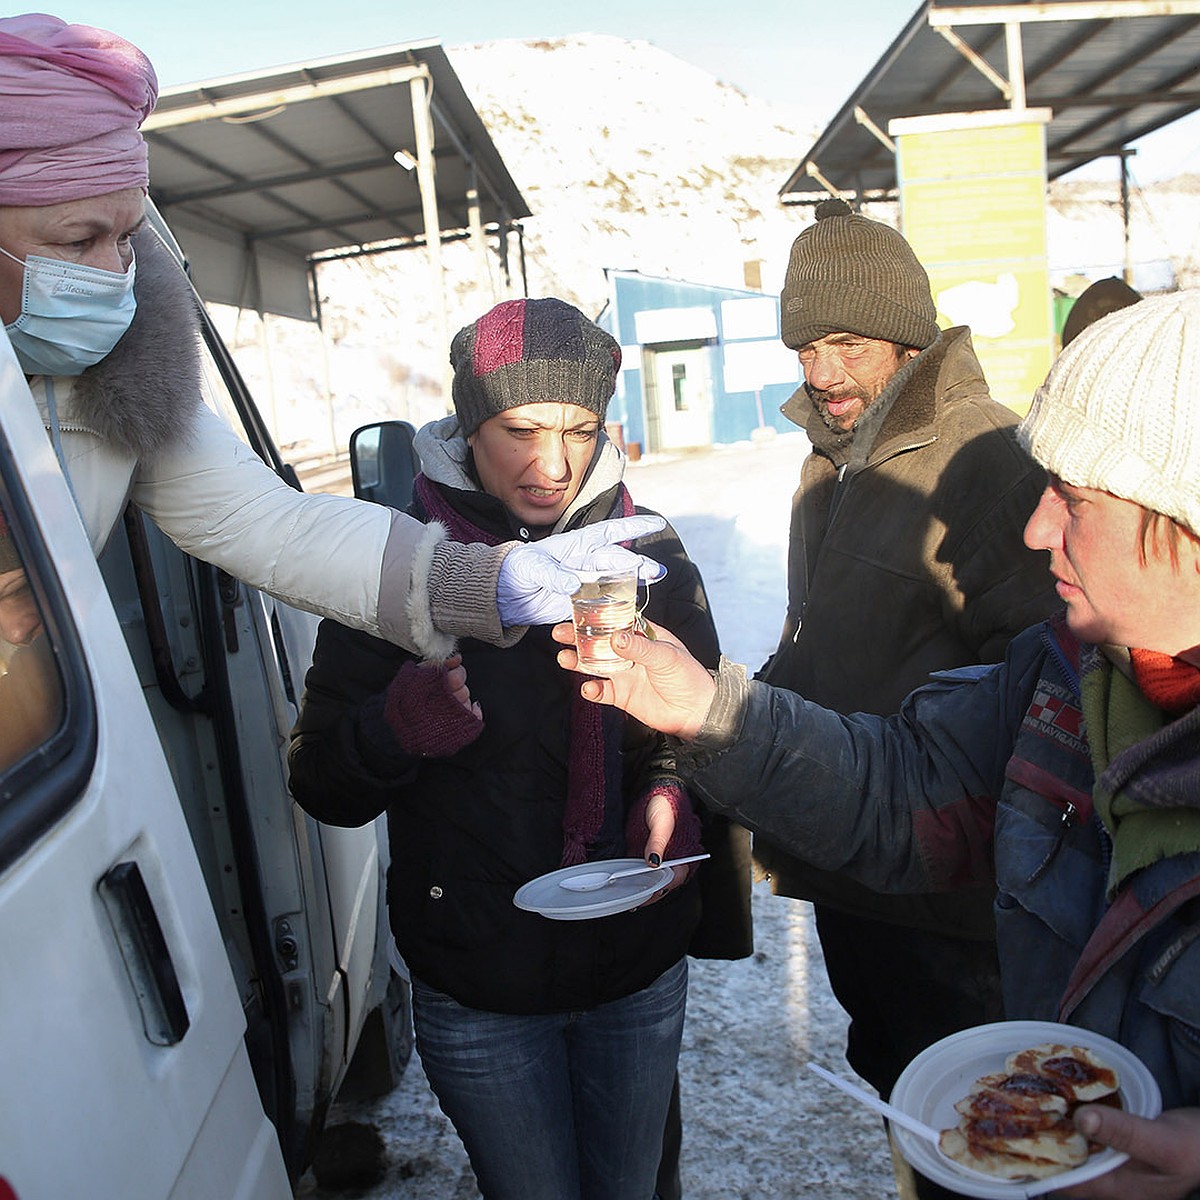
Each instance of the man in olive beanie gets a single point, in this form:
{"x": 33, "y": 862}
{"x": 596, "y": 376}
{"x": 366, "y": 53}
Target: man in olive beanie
{"x": 849, "y": 274}
{"x": 905, "y": 558}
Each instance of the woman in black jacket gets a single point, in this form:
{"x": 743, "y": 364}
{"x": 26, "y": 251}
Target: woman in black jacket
{"x": 550, "y": 1044}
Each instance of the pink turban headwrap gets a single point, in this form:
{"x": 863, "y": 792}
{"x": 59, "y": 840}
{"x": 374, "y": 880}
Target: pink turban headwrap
{"x": 72, "y": 99}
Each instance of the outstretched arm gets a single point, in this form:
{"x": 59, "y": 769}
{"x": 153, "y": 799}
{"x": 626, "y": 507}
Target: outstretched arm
{"x": 365, "y": 566}
{"x": 537, "y": 578}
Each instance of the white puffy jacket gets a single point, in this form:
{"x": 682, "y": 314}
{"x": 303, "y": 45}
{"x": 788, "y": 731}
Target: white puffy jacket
{"x": 134, "y": 427}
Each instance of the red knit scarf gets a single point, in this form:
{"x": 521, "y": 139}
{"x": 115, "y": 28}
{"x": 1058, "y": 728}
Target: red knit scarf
{"x": 1169, "y": 683}
{"x": 594, "y": 761}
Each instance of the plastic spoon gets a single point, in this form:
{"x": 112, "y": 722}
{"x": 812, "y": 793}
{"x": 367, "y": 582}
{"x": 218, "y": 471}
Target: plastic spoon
{"x": 898, "y": 1117}
{"x": 590, "y": 881}
{"x": 880, "y": 1106}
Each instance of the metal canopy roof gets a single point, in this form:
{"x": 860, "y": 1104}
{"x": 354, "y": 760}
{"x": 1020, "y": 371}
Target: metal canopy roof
{"x": 1111, "y": 71}
{"x": 261, "y": 177}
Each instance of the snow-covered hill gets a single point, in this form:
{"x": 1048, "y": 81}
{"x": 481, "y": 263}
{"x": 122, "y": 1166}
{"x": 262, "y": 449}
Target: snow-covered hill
{"x": 629, "y": 159}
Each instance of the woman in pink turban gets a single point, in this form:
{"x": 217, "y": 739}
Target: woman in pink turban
{"x": 104, "y": 324}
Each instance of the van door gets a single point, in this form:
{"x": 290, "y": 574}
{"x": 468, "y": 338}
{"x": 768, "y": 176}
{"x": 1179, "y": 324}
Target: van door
{"x": 307, "y": 910}
{"x": 125, "y": 1069}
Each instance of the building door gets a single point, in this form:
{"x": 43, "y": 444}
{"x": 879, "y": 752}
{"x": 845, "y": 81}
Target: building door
{"x": 680, "y": 397}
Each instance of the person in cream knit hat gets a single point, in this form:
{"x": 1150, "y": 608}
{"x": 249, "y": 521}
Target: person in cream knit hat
{"x": 1119, "y": 410}
{"x": 1069, "y": 773}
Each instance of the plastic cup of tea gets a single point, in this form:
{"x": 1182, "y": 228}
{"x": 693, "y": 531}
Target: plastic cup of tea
{"x": 605, "y": 604}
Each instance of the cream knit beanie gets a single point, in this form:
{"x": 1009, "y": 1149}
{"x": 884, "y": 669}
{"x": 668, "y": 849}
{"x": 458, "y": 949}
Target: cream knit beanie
{"x": 1120, "y": 408}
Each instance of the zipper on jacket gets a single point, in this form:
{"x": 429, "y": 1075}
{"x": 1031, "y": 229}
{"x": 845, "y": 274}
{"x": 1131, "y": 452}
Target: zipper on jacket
{"x": 1070, "y": 812}
{"x": 1060, "y": 657}
{"x": 55, "y": 428}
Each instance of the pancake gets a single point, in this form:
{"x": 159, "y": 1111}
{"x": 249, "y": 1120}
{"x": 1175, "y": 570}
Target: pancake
{"x": 957, "y": 1147}
{"x": 1001, "y": 1095}
{"x": 1016, "y": 1124}
{"x": 1083, "y": 1077}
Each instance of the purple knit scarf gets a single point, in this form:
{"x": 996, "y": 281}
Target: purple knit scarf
{"x": 594, "y": 761}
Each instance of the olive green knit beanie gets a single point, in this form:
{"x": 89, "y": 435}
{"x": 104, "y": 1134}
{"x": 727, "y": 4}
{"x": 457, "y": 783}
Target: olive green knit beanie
{"x": 849, "y": 274}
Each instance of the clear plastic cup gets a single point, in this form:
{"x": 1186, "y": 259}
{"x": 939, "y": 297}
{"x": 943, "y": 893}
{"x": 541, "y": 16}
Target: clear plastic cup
{"x": 605, "y": 604}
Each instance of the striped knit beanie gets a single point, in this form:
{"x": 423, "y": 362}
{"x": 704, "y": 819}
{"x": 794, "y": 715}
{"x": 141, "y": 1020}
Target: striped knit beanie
{"x": 531, "y": 352}
{"x": 1118, "y": 411}
{"x": 848, "y": 274}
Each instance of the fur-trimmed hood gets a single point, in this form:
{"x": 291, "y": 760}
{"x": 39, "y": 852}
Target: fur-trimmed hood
{"x": 146, "y": 392}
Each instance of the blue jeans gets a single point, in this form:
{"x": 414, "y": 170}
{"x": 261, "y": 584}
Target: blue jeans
{"x": 563, "y": 1106}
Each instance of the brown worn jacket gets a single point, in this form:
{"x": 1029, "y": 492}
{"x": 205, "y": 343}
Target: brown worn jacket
{"x": 919, "y": 567}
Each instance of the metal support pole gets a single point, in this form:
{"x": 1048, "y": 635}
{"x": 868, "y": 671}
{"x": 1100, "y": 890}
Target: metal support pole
{"x": 504, "y": 227}
{"x": 478, "y": 242}
{"x": 521, "y": 260}
{"x": 423, "y": 130}
{"x": 1016, "y": 64}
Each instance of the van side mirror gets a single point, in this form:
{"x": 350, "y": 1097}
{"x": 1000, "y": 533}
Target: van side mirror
{"x": 384, "y": 463}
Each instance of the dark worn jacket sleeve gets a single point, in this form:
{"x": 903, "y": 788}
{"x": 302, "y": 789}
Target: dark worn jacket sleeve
{"x": 344, "y": 767}
{"x": 902, "y": 804}
{"x": 679, "y": 603}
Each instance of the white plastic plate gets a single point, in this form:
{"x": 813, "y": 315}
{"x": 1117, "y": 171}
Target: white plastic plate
{"x": 543, "y": 894}
{"x": 942, "y": 1074}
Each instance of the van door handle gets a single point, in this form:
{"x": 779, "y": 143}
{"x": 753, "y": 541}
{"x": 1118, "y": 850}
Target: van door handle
{"x": 145, "y": 953}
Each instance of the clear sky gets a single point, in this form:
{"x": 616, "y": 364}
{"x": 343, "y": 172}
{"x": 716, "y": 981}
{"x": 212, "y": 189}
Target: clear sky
{"x": 770, "y": 48}
{"x": 811, "y": 53}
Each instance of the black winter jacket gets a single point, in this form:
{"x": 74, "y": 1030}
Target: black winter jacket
{"x": 466, "y": 831}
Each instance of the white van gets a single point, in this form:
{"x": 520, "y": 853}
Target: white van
{"x": 187, "y": 961}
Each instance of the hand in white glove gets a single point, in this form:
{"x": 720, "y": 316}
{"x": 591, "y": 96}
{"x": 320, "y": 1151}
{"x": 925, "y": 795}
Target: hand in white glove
{"x": 537, "y": 579}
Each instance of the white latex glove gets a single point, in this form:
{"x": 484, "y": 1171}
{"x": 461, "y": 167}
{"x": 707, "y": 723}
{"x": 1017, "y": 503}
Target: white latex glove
{"x": 537, "y": 579}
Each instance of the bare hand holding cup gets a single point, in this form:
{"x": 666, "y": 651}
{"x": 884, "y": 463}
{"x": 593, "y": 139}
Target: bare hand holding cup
{"x": 666, "y": 688}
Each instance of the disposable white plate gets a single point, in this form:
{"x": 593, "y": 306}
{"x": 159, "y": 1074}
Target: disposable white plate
{"x": 942, "y": 1074}
{"x": 543, "y": 894}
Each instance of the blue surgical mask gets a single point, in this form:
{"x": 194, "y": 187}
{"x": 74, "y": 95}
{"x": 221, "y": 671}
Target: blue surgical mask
{"x": 71, "y": 315}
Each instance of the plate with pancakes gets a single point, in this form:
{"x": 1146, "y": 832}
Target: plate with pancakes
{"x": 1002, "y": 1096}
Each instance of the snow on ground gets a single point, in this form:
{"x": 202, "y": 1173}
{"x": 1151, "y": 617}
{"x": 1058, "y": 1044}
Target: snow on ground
{"x": 756, "y": 1123}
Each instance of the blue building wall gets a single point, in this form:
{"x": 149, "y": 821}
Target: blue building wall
{"x": 735, "y": 413}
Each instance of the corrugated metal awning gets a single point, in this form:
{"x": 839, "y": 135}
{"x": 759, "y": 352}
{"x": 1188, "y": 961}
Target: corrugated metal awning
{"x": 1111, "y": 71}
{"x": 262, "y": 177}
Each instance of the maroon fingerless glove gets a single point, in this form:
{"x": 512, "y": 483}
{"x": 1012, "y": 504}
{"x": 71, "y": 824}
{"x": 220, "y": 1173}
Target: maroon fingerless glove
{"x": 686, "y": 838}
{"x": 422, "y": 715}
